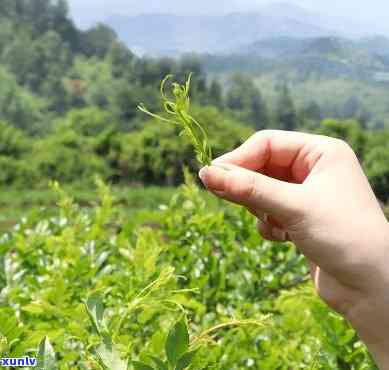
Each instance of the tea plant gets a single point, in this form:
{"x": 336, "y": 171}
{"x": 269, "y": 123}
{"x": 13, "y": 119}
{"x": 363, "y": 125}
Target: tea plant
{"x": 87, "y": 289}
{"x": 178, "y": 108}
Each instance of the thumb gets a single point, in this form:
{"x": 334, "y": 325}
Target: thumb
{"x": 254, "y": 190}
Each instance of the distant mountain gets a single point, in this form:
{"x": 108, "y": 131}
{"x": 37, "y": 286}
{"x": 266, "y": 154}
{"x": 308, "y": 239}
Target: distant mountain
{"x": 172, "y": 34}
{"x": 365, "y": 50}
{"x": 164, "y": 34}
{"x": 326, "y": 56}
{"x": 378, "y": 45}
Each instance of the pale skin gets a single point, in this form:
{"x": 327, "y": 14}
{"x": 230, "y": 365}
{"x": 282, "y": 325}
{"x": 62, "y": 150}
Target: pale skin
{"x": 311, "y": 190}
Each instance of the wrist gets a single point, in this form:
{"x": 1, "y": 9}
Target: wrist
{"x": 370, "y": 312}
{"x": 380, "y": 354}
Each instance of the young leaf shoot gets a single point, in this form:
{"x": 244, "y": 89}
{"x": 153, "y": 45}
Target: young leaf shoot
{"x": 177, "y": 108}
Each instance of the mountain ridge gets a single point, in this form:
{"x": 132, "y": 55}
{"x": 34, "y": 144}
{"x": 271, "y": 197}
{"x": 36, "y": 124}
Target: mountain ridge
{"x": 164, "y": 33}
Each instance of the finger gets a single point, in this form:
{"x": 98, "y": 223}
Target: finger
{"x": 265, "y": 217}
{"x": 260, "y": 215}
{"x": 276, "y": 152}
{"x": 271, "y": 233}
{"x": 253, "y": 190}
{"x": 265, "y": 230}
{"x": 313, "y": 269}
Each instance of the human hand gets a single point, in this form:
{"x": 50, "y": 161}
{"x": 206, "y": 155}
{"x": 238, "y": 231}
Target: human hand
{"x": 311, "y": 190}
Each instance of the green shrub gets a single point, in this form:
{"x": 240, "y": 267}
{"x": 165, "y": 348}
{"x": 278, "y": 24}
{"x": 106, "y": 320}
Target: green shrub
{"x": 104, "y": 292}
{"x": 15, "y": 172}
{"x": 377, "y": 169}
{"x": 13, "y": 142}
{"x": 67, "y": 157}
{"x": 348, "y": 130}
{"x": 155, "y": 155}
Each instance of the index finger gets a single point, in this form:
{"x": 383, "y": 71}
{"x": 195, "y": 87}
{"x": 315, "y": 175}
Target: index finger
{"x": 272, "y": 149}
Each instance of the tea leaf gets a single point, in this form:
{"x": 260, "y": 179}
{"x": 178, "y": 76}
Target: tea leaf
{"x": 185, "y": 360}
{"x": 110, "y": 356}
{"x": 159, "y": 363}
{"x": 46, "y": 355}
{"x": 95, "y": 309}
{"x": 177, "y": 342}
{"x": 141, "y": 366}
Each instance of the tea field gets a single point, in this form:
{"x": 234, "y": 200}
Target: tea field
{"x": 151, "y": 279}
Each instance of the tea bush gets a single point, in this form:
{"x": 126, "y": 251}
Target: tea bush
{"x": 195, "y": 289}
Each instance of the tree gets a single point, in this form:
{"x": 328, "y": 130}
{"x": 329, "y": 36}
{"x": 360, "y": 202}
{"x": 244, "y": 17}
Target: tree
{"x": 89, "y": 122}
{"x": 121, "y": 60}
{"x": 90, "y": 81}
{"x": 312, "y": 111}
{"x": 7, "y": 9}
{"x": 67, "y": 157}
{"x": 37, "y": 13}
{"x": 34, "y": 62}
{"x": 215, "y": 94}
{"x": 65, "y": 26}
{"x": 7, "y": 34}
{"x": 310, "y": 115}
{"x": 190, "y": 64}
{"x": 348, "y": 130}
{"x": 98, "y": 40}
{"x": 18, "y": 106}
{"x": 259, "y": 113}
{"x": 286, "y": 115}
{"x": 13, "y": 142}
{"x": 351, "y": 107}
{"x": 125, "y": 101}
{"x": 376, "y": 165}
{"x": 147, "y": 72}
{"x": 244, "y": 98}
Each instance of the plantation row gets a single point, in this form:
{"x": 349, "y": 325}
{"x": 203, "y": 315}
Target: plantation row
{"x": 192, "y": 286}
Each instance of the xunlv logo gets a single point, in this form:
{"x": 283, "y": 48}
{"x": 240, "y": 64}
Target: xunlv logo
{"x": 19, "y": 362}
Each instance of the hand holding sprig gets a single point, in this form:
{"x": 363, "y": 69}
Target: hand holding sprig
{"x": 311, "y": 190}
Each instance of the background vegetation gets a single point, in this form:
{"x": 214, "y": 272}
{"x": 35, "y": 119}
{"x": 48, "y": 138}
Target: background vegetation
{"x": 68, "y": 103}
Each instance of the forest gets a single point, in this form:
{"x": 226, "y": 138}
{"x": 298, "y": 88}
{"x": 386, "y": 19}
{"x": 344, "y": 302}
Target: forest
{"x": 111, "y": 255}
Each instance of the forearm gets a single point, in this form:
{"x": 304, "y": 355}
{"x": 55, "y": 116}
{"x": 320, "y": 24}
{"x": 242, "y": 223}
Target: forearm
{"x": 381, "y": 356}
{"x": 370, "y": 316}
{"x": 373, "y": 328}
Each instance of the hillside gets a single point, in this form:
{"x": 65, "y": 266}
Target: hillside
{"x": 361, "y": 59}
{"x": 171, "y": 34}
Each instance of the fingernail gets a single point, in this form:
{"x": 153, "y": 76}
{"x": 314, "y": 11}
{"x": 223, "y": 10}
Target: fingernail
{"x": 279, "y": 234}
{"x": 203, "y": 173}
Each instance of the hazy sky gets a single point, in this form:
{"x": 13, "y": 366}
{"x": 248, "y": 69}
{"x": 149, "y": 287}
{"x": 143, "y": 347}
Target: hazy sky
{"x": 87, "y": 11}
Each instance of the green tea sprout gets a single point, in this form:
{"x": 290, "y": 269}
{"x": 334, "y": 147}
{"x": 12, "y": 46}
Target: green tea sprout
{"x": 178, "y": 108}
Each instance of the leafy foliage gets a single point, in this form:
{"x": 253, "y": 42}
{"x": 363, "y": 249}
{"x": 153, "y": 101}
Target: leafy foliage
{"x": 110, "y": 293}
{"x": 74, "y": 94}
{"x": 187, "y": 285}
